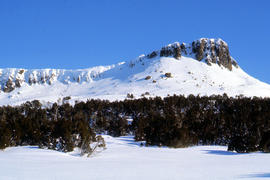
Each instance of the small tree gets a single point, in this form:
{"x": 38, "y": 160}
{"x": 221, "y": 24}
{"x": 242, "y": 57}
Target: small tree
{"x": 129, "y": 95}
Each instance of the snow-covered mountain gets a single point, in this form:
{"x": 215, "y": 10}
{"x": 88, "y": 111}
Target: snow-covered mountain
{"x": 202, "y": 67}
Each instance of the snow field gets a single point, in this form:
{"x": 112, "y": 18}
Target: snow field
{"x": 125, "y": 159}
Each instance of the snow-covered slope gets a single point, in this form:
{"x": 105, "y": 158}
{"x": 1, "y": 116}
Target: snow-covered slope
{"x": 203, "y": 67}
{"x": 125, "y": 159}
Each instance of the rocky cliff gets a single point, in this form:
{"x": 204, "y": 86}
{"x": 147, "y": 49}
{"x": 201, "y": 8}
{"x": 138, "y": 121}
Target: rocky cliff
{"x": 15, "y": 78}
{"x": 209, "y": 50}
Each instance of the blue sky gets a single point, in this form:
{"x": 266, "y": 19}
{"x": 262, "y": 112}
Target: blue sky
{"x": 82, "y": 33}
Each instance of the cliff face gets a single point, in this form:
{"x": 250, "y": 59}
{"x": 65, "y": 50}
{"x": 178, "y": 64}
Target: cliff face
{"x": 212, "y": 51}
{"x": 15, "y": 78}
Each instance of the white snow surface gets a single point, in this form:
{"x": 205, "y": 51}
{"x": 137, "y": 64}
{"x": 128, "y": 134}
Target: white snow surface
{"x": 189, "y": 76}
{"x": 125, "y": 159}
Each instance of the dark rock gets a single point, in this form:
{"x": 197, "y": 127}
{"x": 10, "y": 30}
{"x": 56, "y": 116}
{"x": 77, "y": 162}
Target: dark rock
{"x": 213, "y": 51}
{"x": 10, "y": 86}
{"x": 171, "y": 50}
{"x": 42, "y": 80}
{"x": 224, "y": 55}
{"x": 21, "y": 71}
{"x": 177, "y": 53}
{"x": 183, "y": 48}
{"x": 168, "y": 75}
{"x": 165, "y": 51}
{"x": 198, "y": 48}
{"x": 147, "y": 77}
{"x": 32, "y": 81}
{"x": 234, "y": 63}
{"x": 152, "y": 55}
{"x": 18, "y": 82}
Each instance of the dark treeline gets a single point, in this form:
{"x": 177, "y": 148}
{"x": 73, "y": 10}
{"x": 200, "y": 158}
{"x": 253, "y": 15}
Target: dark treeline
{"x": 176, "y": 121}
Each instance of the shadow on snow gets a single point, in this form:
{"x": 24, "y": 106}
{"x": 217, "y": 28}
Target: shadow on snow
{"x": 257, "y": 175}
{"x": 222, "y": 152}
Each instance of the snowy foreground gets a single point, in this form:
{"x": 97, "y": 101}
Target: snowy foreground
{"x": 125, "y": 159}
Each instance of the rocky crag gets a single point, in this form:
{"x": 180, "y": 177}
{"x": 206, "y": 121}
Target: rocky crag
{"x": 211, "y": 51}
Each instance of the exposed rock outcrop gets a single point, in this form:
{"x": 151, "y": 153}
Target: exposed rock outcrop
{"x": 171, "y": 50}
{"x": 212, "y": 51}
{"x": 15, "y": 78}
{"x": 9, "y": 86}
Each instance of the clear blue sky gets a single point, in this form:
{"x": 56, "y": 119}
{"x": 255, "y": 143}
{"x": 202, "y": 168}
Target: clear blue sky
{"x": 83, "y": 33}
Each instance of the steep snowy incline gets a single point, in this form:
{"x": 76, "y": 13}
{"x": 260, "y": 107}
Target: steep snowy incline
{"x": 204, "y": 67}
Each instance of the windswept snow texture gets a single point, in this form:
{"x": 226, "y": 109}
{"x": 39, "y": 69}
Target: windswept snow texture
{"x": 125, "y": 159}
{"x": 189, "y": 76}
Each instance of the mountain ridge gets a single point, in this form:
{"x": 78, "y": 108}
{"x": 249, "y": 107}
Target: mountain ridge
{"x": 203, "y": 67}
{"x": 211, "y": 51}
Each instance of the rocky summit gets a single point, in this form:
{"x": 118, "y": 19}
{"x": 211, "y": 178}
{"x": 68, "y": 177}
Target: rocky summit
{"x": 212, "y": 51}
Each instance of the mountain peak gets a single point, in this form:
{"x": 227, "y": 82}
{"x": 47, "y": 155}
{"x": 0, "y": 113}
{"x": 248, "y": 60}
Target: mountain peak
{"x": 211, "y": 51}
{"x": 203, "y": 67}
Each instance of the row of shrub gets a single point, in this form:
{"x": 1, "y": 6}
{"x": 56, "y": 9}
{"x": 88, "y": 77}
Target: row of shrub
{"x": 60, "y": 127}
{"x": 241, "y": 123}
